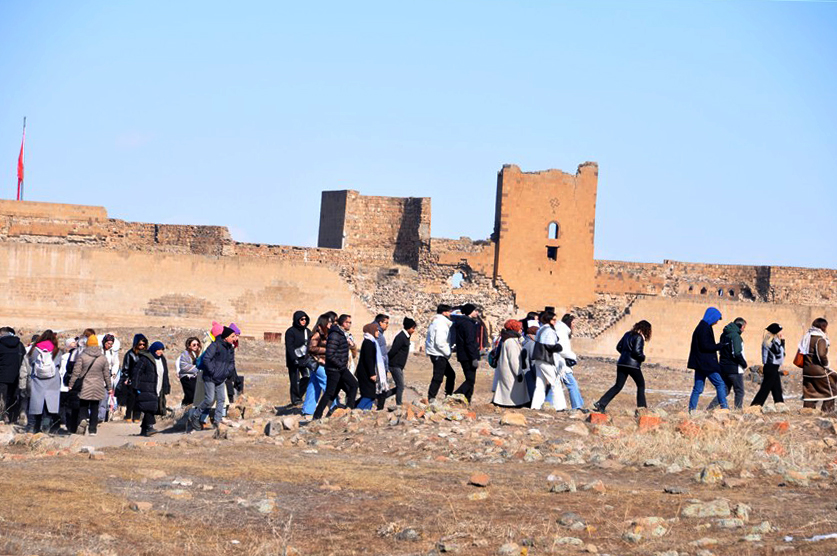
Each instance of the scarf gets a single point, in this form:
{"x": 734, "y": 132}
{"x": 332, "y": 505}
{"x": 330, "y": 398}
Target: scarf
{"x": 805, "y": 343}
{"x": 380, "y": 368}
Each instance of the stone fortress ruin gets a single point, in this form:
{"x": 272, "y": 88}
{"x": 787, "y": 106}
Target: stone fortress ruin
{"x": 70, "y": 266}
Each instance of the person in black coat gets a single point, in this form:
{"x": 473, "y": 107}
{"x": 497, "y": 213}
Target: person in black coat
{"x": 465, "y": 331}
{"x": 296, "y": 348}
{"x": 398, "y": 354}
{"x": 12, "y": 353}
{"x": 703, "y": 359}
{"x": 337, "y": 366}
{"x": 149, "y": 385}
{"x": 367, "y": 372}
{"x": 126, "y": 393}
{"x": 631, "y": 350}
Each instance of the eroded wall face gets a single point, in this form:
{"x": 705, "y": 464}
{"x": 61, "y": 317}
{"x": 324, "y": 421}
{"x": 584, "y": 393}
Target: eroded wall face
{"x": 543, "y": 269}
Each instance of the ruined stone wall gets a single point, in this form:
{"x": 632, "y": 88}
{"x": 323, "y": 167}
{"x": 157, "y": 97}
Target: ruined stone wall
{"x": 377, "y": 229}
{"x": 541, "y": 268}
{"x": 478, "y": 255}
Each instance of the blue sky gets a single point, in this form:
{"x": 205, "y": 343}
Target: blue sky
{"x": 714, "y": 122}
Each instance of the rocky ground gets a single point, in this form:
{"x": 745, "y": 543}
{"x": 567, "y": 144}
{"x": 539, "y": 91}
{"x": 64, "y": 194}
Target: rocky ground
{"x": 434, "y": 478}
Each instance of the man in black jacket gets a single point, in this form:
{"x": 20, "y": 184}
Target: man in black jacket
{"x": 337, "y": 366}
{"x": 398, "y": 354}
{"x": 732, "y": 361}
{"x": 703, "y": 359}
{"x": 12, "y": 353}
{"x": 217, "y": 364}
{"x": 465, "y": 332}
{"x": 296, "y": 348}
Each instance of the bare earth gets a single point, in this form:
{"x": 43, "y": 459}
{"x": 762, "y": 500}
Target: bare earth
{"x": 397, "y": 482}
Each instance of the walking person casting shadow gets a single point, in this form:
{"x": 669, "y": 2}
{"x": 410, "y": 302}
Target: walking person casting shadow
{"x": 631, "y": 350}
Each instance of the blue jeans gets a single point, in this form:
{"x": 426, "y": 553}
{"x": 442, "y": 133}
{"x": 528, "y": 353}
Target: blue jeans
{"x": 316, "y": 385}
{"x": 700, "y": 380}
{"x": 212, "y": 392}
{"x": 576, "y": 401}
{"x": 365, "y": 404}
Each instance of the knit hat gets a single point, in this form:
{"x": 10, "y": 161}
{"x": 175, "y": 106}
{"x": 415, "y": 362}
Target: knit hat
{"x": 513, "y": 325}
{"x": 409, "y": 323}
{"x": 235, "y": 328}
{"x": 108, "y": 338}
{"x": 68, "y": 342}
{"x": 216, "y": 329}
{"x": 225, "y": 333}
{"x": 774, "y": 328}
{"x": 468, "y": 308}
{"x": 370, "y": 328}
{"x": 155, "y": 346}
{"x": 92, "y": 341}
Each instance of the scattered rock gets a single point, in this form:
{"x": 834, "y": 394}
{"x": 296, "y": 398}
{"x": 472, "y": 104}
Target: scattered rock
{"x": 675, "y": 490}
{"x": 479, "y": 479}
{"x": 479, "y": 495}
{"x": 631, "y": 537}
{"x": 560, "y": 482}
{"x": 649, "y": 422}
{"x": 730, "y": 523}
{"x": 579, "y": 429}
{"x": 710, "y": 475}
{"x": 571, "y": 541}
{"x": 513, "y": 419}
{"x": 607, "y": 431}
{"x": 715, "y": 508}
{"x": 409, "y": 534}
{"x": 598, "y": 418}
{"x": 572, "y": 520}
{"x": 141, "y": 506}
{"x": 290, "y": 422}
{"x": 742, "y": 511}
{"x": 509, "y": 549}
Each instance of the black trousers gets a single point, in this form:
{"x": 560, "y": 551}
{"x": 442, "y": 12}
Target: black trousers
{"x": 132, "y": 413}
{"x": 441, "y": 370}
{"x": 188, "y": 383}
{"x": 87, "y": 409}
{"x": 734, "y": 383}
{"x": 8, "y": 396}
{"x": 771, "y": 383}
{"x": 398, "y": 377}
{"x": 622, "y": 374}
{"x": 148, "y": 421}
{"x": 298, "y": 382}
{"x": 336, "y": 379}
{"x": 467, "y": 387}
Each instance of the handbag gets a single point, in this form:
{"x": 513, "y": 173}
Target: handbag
{"x": 799, "y": 359}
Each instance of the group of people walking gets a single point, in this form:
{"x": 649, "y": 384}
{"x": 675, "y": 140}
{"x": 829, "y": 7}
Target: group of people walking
{"x": 83, "y": 383}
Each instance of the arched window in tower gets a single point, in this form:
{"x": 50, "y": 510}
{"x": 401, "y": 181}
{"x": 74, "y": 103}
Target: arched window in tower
{"x": 552, "y": 232}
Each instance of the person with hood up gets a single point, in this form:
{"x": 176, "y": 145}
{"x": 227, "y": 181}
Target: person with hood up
{"x": 296, "y": 352}
{"x": 337, "y": 366}
{"x": 217, "y": 364}
{"x": 437, "y": 347}
{"x": 128, "y": 395}
{"x": 398, "y": 354}
{"x": 147, "y": 382}
{"x": 466, "y": 332}
{"x": 549, "y": 366}
{"x": 317, "y": 350}
{"x": 819, "y": 382}
{"x": 631, "y": 350}
{"x": 772, "y": 357}
{"x": 12, "y": 353}
{"x": 92, "y": 381}
{"x": 703, "y": 359}
{"x": 511, "y": 390}
{"x": 371, "y": 372}
{"x": 157, "y": 350}
{"x": 564, "y": 329}
{"x": 187, "y": 369}
{"x": 732, "y": 361}
{"x": 44, "y": 383}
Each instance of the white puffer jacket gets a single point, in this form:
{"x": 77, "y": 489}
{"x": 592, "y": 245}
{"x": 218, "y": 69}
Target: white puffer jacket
{"x": 437, "y": 343}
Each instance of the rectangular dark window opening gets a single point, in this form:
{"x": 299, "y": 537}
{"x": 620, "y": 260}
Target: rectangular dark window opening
{"x": 552, "y": 253}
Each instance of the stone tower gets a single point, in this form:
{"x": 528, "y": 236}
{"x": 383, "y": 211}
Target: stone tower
{"x": 543, "y": 232}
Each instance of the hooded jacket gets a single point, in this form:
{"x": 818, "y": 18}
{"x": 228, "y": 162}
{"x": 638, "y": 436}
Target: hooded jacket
{"x": 732, "y": 352}
{"x": 703, "y": 353}
{"x": 131, "y": 358}
{"x": 296, "y": 337}
{"x": 12, "y": 354}
{"x": 218, "y": 361}
{"x": 337, "y": 349}
{"x": 465, "y": 332}
{"x": 145, "y": 383}
{"x": 438, "y": 333}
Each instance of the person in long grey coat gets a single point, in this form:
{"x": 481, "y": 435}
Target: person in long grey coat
{"x": 511, "y": 390}
{"x": 44, "y": 383}
{"x": 93, "y": 370}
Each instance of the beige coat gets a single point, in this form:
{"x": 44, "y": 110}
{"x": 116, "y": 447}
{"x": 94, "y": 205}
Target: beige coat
{"x": 93, "y": 366}
{"x": 510, "y": 391}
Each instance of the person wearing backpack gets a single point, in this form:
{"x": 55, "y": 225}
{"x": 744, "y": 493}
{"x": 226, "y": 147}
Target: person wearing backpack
{"x": 91, "y": 379}
{"x": 296, "y": 351}
{"x": 44, "y": 384}
{"x": 511, "y": 389}
{"x": 631, "y": 350}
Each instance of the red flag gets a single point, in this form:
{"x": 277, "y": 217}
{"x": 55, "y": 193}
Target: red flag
{"x": 20, "y": 163}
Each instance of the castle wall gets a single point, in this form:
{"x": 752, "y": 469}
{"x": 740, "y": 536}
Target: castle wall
{"x": 479, "y": 255}
{"x": 543, "y": 270}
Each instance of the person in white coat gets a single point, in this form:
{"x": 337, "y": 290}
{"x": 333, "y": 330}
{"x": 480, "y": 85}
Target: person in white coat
{"x": 565, "y": 332}
{"x": 549, "y": 366}
{"x": 511, "y": 388}
{"x": 437, "y": 347}
{"x": 110, "y": 346}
